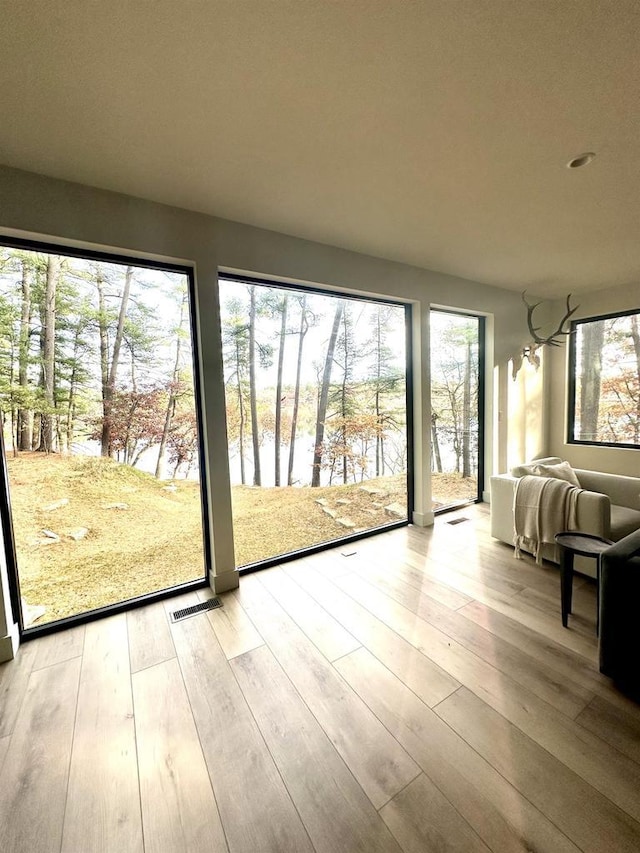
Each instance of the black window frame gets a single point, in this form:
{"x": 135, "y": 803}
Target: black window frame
{"x": 408, "y": 321}
{"x": 572, "y": 384}
{"x": 482, "y": 326}
{"x": 6, "y": 518}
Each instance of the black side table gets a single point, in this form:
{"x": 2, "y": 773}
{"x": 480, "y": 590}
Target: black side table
{"x": 586, "y": 545}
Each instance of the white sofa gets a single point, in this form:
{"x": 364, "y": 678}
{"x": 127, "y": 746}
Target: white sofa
{"x": 609, "y": 507}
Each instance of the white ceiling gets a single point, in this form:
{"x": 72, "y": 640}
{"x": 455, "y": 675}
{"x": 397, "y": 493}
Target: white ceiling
{"x": 434, "y": 133}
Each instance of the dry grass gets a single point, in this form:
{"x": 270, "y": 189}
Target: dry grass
{"x": 156, "y": 542}
{"x": 274, "y": 521}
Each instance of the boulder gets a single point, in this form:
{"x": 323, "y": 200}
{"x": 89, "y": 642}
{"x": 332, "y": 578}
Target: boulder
{"x": 396, "y": 510}
{"x": 55, "y": 505}
{"x": 78, "y": 533}
{"x": 51, "y": 535}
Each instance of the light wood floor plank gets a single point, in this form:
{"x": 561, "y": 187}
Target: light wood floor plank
{"x": 328, "y": 636}
{"x": 14, "y": 680}
{"x": 103, "y": 800}
{"x": 318, "y": 779}
{"x": 377, "y": 761}
{"x": 599, "y": 764}
{"x": 255, "y": 807}
{"x": 179, "y": 810}
{"x": 58, "y": 647}
{"x": 443, "y": 567}
{"x": 149, "y": 636}
{"x": 619, "y": 728}
{"x": 571, "y": 666}
{"x": 236, "y": 633}
{"x": 4, "y": 746}
{"x": 421, "y": 818}
{"x": 432, "y": 609}
{"x": 441, "y": 593}
{"x": 36, "y": 766}
{"x": 500, "y": 815}
{"x": 587, "y": 816}
{"x": 566, "y": 696}
{"x": 428, "y": 680}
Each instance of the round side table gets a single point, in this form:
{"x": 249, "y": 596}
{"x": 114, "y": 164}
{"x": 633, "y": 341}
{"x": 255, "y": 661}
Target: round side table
{"x": 585, "y": 545}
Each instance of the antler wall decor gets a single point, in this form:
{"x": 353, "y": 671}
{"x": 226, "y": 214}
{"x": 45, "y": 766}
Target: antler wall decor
{"x": 530, "y": 350}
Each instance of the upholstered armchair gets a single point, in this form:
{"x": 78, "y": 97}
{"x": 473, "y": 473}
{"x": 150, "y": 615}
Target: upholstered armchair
{"x": 619, "y": 623}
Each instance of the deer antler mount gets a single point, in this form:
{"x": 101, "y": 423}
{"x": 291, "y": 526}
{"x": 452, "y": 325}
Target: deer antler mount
{"x": 530, "y": 350}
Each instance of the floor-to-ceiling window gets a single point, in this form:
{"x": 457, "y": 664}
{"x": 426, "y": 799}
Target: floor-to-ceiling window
{"x": 457, "y": 371}
{"x": 100, "y": 424}
{"x": 316, "y": 396}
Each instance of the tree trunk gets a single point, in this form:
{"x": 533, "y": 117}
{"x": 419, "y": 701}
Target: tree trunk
{"x": 108, "y": 388}
{"x": 48, "y": 353}
{"x": 278, "y": 424}
{"x": 324, "y": 396}
{"x": 435, "y": 444}
{"x": 466, "y": 415}
{"x": 255, "y": 437}
{"x": 24, "y": 434}
{"x": 591, "y": 368}
{"x": 171, "y": 404}
{"x": 304, "y": 328}
{"x": 343, "y": 398}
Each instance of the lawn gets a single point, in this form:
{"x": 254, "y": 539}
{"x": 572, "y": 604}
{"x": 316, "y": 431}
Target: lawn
{"x": 90, "y": 532}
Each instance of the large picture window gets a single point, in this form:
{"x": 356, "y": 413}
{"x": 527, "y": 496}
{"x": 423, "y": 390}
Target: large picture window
{"x": 604, "y": 405}
{"x": 101, "y": 483}
{"x": 316, "y": 398}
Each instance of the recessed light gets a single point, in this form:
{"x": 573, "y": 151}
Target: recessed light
{"x": 581, "y": 160}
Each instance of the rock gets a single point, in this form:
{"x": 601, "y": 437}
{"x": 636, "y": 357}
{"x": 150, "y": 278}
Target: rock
{"x": 373, "y": 491}
{"x": 115, "y": 506}
{"x": 51, "y": 535}
{"x": 330, "y": 512}
{"x": 171, "y": 488}
{"x": 55, "y": 505}
{"x": 346, "y": 522}
{"x": 370, "y": 490}
{"x": 377, "y": 504}
{"x": 322, "y": 501}
{"x": 343, "y": 502}
{"x": 79, "y": 533}
{"x": 396, "y": 510}
{"x": 31, "y": 613}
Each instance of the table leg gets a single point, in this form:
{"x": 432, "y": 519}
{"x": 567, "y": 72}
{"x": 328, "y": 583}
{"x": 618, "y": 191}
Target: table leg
{"x": 598, "y": 595}
{"x": 566, "y": 583}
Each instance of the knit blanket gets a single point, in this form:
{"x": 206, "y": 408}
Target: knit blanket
{"x": 543, "y": 506}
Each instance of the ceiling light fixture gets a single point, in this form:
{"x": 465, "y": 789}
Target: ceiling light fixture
{"x": 581, "y": 160}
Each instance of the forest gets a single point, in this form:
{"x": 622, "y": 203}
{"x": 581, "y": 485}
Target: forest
{"x": 95, "y": 358}
{"x": 315, "y": 386}
{"x": 607, "y": 401}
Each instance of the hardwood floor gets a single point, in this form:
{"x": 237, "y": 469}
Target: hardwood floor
{"x": 417, "y": 695}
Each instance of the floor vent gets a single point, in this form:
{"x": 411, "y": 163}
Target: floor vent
{"x": 209, "y": 604}
{"x": 457, "y": 520}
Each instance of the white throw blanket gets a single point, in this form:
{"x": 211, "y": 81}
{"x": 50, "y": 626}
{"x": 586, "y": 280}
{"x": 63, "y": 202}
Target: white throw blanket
{"x": 543, "y": 506}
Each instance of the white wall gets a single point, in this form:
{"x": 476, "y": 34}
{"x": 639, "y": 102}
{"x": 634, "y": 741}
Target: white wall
{"x": 32, "y": 205}
{"x": 616, "y": 460}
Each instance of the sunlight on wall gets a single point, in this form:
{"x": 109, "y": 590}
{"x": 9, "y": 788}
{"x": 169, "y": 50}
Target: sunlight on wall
{"x": 525, "y": 414}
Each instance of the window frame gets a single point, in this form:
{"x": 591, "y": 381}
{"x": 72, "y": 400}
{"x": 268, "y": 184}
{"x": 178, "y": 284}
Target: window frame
{"x": 572, "y": 383}
{"x": 6, "y": 517}
{"x": 345, "y": 293}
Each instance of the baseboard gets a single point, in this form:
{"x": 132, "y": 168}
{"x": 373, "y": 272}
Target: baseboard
{"x": 422, "y": 519}
{"x": 9, "y": 644}
{"x": 224, "y": 582}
